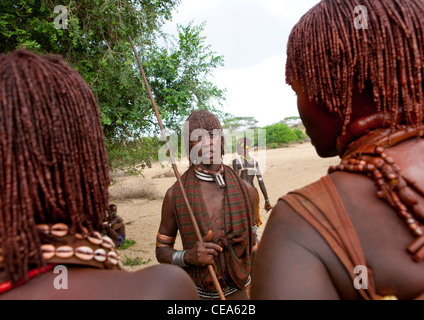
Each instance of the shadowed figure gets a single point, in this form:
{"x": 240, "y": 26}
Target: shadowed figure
{"x": 114, "y": 227}
{"x": 248, "y": 169}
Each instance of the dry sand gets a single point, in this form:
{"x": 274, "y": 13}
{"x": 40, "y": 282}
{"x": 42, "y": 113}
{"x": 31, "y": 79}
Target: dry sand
{"x": 139, "y": 199}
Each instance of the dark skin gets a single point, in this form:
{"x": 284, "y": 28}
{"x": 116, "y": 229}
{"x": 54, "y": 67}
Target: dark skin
{"x": 87, "y": 283}
{"x": 86, "y": 278}
{"x": 249, "y": 178}
{"x": 295, "y": 262}
{"x": 115, "y": 224}
{"x": 92, "y": 284}
{"x": 202, "y": 253}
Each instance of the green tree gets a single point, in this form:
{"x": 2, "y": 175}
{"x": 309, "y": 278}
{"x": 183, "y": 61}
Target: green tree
{"x": 296, "y": 124}
{"x": 95, "y": 42}
{"x": 182, "y": 71}
{"x": 236, "y": 123}
{"x": 278, "y": 134}
{"x": 293, "y": 122}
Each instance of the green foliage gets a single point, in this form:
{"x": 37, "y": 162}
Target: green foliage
{"x": 280, "y": 134}
{"x": 182, "y": 71}
{"x": 127, "y": 244}
{"x": 299, "y": 134}
{"x": 294, "y": 122}
{"x": 133, "y": 156}
{"x": 132, "y": 262}
{"x": 234, "y": 123}
{"x": 96, "y": 44}
{"x": 273, "y": 145}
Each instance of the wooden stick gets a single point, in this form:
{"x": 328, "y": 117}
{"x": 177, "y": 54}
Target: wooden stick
{"x": 177, "y": 174}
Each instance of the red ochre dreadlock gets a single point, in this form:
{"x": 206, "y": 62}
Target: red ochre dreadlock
{"x": 330, "y": 55}
{"x": 53, "y": 162}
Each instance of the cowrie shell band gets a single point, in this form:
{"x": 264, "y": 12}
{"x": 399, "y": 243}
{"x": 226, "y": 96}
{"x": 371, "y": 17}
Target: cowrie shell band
{"x": 105, "y": 252}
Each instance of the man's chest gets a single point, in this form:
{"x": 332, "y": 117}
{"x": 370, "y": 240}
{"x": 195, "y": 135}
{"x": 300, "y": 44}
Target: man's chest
{"x": 213, "y": 198}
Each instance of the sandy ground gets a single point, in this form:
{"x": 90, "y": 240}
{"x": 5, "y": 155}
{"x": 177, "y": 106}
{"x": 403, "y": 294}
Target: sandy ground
{"x": 139, "y": 199}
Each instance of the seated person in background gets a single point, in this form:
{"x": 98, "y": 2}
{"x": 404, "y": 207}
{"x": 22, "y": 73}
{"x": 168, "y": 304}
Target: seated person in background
{"x": 358, "y": 232}
{"x": 247, "y": 168}
{"x": 114, "y": 226}
{"x": 54, "y": 192}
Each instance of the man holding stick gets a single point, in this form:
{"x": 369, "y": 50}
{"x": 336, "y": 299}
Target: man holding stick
{"x": 222, "y": 209}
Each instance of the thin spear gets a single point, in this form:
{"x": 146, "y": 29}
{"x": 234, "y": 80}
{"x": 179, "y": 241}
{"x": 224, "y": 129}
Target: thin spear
{"x": 177, "y": 174}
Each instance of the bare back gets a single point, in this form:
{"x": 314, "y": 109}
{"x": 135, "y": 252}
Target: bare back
{"x": 151, "y": 283}
{"x": 303, "y": 265}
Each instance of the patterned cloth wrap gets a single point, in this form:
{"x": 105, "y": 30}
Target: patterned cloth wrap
{"x": 120, "y": 239}
{"x": 235, "y": 235}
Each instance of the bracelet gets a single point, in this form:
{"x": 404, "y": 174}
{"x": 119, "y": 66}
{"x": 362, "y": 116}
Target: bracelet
{"x": 267, "y": 200}
{"x": 164, "y": 241}
{"x": 178, "y": 258}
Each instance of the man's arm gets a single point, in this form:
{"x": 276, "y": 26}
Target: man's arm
{"x": 252, "y": 193}
{"x": 201, "y": 254}
{"x": 236, "y": 167}
{"x": 263, "y": 188}
{"x": 167, "y": 228}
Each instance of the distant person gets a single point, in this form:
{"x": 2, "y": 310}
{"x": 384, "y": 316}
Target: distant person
{"x": 114, "y": 227}
{"x": 358, "y": 232}
{"x": 54, "y": 193}
{"x": 222, "y": 208}
{"x": 247, "y": 168}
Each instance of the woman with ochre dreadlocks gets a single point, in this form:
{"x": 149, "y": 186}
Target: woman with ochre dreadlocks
{"x": 358, "y": 232}
{"x": 54, "y": 192}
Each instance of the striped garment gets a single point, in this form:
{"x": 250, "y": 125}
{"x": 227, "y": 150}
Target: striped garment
{"x": 235, "y": 236}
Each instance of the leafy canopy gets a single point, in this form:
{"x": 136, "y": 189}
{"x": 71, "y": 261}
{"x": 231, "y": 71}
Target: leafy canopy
{"x": 95, "y": 42}
{"x": 284, "y": 132}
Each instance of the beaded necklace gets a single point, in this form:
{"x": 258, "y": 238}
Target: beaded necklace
{"x": 366, "y": 155}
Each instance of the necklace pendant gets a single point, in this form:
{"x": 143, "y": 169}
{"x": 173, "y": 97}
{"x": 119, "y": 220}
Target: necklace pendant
{"x": 219, "y": 180}
{"x": 209, "y": 176}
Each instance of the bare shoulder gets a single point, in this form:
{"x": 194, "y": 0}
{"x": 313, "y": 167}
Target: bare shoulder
{"x": 169, "y": 192}
{"x": 168, "y": 199}
{"x": 161, "y": 282}
{"x": 383, "y": 235}
{"x": 152, "y": 283}
{"x": 285, "y": 225}
{"x": 168, "y": 224}
{"x": 288, "y": 264}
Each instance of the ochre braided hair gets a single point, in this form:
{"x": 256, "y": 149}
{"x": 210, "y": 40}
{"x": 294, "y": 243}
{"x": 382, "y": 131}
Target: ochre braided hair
{"x": 328, "y": 55}
{"x": 331, "y": 56}
{"x": 53, "y": 162}
{"x": 201, "y": 119}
